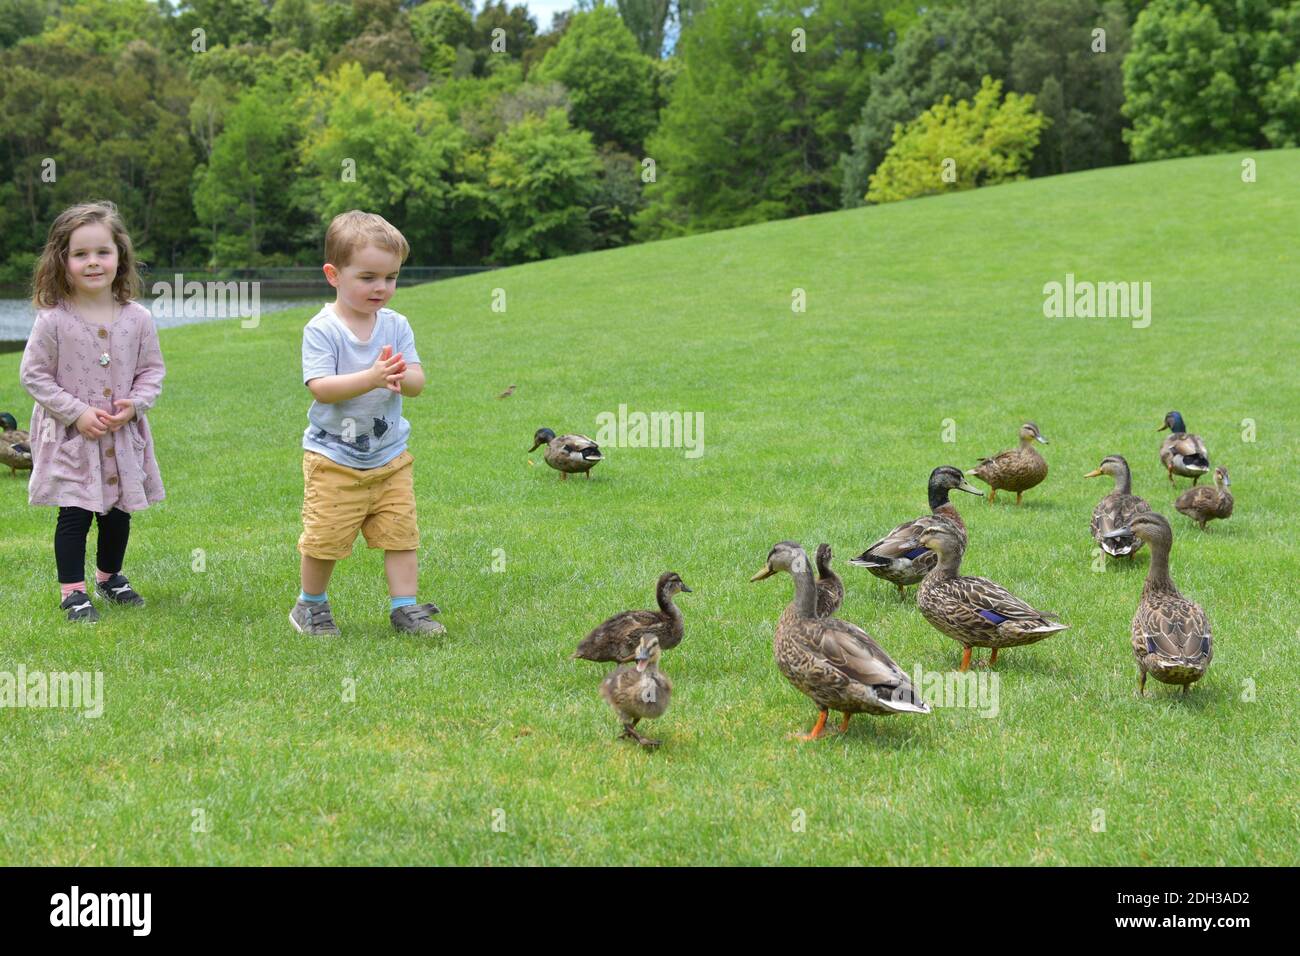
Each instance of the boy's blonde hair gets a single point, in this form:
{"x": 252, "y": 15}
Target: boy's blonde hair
{"x": 353, "y": 230}
{"x": 50, "y": 284}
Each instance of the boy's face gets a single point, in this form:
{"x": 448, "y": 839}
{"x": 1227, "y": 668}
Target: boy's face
{"x": 367, "y": 282}
{"x": 92, "y": 259}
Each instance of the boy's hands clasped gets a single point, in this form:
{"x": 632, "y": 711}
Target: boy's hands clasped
{"x": 388, "y": 370}
{"x": 94, "y": 423}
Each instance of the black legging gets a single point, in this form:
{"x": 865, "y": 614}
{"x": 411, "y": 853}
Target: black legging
{"x": 70, "y": 542}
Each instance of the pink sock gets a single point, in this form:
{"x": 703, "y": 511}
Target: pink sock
{"x": 101, "y": 576}
{"x": 69, "y": 588}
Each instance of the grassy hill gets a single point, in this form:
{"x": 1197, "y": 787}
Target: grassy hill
{"x": 819, "y": 426}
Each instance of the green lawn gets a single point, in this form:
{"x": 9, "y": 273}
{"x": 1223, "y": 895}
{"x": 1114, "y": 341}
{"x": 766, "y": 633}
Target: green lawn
{"x": 818, "y": 426}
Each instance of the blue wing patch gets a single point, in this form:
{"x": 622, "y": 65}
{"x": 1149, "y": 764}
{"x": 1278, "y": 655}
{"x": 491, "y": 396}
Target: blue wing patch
{"x": 993, "y": 617}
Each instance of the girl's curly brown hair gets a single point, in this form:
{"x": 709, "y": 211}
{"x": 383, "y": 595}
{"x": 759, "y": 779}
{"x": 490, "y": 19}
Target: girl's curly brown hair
{"x": 50, "y": 284}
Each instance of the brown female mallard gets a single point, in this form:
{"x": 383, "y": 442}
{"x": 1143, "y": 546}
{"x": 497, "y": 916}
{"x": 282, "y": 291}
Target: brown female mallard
{"x": 975, "y": 612}
{"x": 568, "y": 454}
{"x": 1181, "y": 453}
{"x": 830, "y": 589}
{"x": 1117, "y": 509}
{"x": 894, "y": 557}
{"x": 833, "y": 662}
{"x": 1171, "y": 637}
{"x": 1206, "y": 504}
{"x": 1018, "y": 469}
{"x": 638, "y": 691}
{"x": 617, "y": 638}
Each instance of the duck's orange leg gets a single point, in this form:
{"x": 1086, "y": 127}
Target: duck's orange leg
{"x": 564, "y": 476}
{"x": 993, "y": 493}
{"x": 965, "y": 660}
{"x": 993, "y": 658}
{"x": 1018, "y": 494}
{"x": 844, "y": 724}
{"x": 818, "y": 730}
{"x": 1142, "y": 684}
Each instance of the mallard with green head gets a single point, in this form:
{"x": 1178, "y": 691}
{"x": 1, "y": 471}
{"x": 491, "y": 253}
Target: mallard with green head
{"x": 1182, "y": 453}
{"x": 895, "y": 557}
{"x": 1171, "y": 637}
{"x": 1206, "y": 504}
{"x": 833, "y": 662}
{"x": 1017, "y": 469}
{"x": 975, "y": 612}
{"x": 15, "y": 446}
{"x": 617, "y": 638}
{"x": 568, "y": 454}
{"x": 1117, "y": 509}
{"x": 638, "y": 691}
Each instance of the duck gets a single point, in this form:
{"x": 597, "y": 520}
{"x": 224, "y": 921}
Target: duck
{"x": 894, "y": 558}
{"x": 830, "y": 589}
{"x": 1116, "y": 509}
{"x": 1171, "y": 636}
{"x": 833, "y": 662}
{"x": 1206, "y": 504}
{"x": 638, "y": 691}
{"x": 568, "y": 454}
{"x": 1017, "y": 469}
{"x": 617, "y": 638}
{"x": 975, "y": 612}
{"x": 15, "y": 446}
{"x": 1181, "y": 453}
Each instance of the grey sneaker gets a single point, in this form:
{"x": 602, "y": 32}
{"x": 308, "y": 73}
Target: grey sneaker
{"x": 416, "y": 619}
{"x": 79, "y": 608}
{"x": 314, "y": 618}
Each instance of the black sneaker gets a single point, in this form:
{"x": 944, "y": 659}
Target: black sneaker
{"x": 79, "y": 608}
{"x": 117, "y": 590}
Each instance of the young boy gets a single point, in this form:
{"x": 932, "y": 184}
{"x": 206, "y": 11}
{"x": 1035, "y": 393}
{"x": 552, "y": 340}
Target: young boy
{"x": 358, "y": 360}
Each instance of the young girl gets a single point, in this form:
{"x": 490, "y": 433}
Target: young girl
{"x": 94, "y": 367}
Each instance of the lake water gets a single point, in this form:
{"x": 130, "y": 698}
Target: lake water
{"x": 17, "y": 315}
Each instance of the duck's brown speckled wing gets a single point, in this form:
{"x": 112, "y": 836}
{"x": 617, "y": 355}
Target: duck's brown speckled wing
{"x": 1203, "y": 498}
{"x": 617, "y": 638}
{"x": 852, "y": 652}
{"x": 1171, "y": 627}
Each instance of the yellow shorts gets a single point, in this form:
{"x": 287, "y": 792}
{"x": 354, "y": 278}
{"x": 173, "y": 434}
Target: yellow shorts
{"x": 339, "y": 501}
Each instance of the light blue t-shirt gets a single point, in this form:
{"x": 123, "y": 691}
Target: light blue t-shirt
{"x": 369, "y": 430}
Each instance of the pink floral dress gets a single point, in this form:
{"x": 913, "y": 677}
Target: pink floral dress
{"x": 63, "y": 368}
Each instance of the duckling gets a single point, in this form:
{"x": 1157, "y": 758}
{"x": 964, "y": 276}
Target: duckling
{"x": 893, "y": 558}
{"x": 975, "y": 612}
{"x": 1018, "y": 469}
{"x": 638, "y": 691}
{"x": 568, "y": 454}
{"x": 830, "y": 589}
{"x": 1117, "y": 509}
{"x": 617, "y": 638}
{"x": 833, "y": 662}
{"x": 15, "y": 446}
{"x": 1181, "y": 453}
{"x": 1206, "y": 504}
{"x": 1171, "y": 637}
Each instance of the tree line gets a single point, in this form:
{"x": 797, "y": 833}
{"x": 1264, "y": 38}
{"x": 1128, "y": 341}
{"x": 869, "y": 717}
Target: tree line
{"x": 231, "y": 131}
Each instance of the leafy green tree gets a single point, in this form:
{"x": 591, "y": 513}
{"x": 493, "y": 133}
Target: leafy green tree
{"x": 1214, "y": 76}
{"x": 647, "y": 20}
{"x": 962, "y": 145}
{"x": 1043, "y": 47}
{"x": 20, "y": 18}
{"x": 542, "y": 174}
{"x": 518, "y": 29}
{"x": 610, "y": 81}
{"x": 240, "y": 195}
{"x": 758, "y": 114}
{"x": 370, "y": 149}
{"x": 441, "y": 28}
